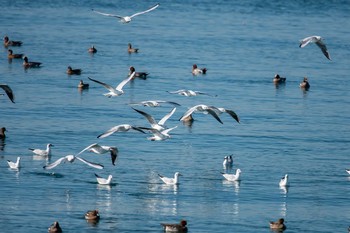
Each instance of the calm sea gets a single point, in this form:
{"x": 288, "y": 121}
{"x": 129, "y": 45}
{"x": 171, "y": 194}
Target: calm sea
{"x": 243, "y": 44}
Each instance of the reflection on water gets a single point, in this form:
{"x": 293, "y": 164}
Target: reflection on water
{"x": 284, "y": 189}
{"x": 235, "y": 184}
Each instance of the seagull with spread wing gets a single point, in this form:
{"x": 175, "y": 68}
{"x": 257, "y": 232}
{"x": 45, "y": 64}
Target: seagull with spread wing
{"x": 319, "y": 42}
{"x": 97, "y": 149}
{"x": 71, "y": 159}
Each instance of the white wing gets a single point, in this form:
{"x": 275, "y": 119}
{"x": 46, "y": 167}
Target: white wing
{"x": 109, "y": 87}
{"x": 150, "y": 118}
{"x": 109, "y": 132}
{"x": 56, "y": 163}
{"x": 143, "y": 12}
{"x": 105, "y": 14}
{"x": 166, "y": 117}
{"x": 94, "y": 146}
{"x": 91, "y": 164}
{"x": 125, "y": 81}
{"x": 306, "y": 41}
{"x": 189, "y": 112}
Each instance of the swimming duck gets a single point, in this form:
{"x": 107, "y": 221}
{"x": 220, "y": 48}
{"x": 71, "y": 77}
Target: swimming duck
{"x": 305, "y": 84}
{"x": 278, "y": 79}
{"x": 142, "y": 75}
{"x": 71, "y": 71}
{"x": 2, "y": 133}
{"x": 8, "y": 42}
{"x": 197, "y": 71}
{"x": 92, "y": 215}
{"x": 83, "y": 85}
{"x": 55, "y": 228}
{"x": 278, "y": 225}
{"x": 131, "y": 49}
{"x": 31, "y": 64}
{"x": 92, "y": 49}
{"x": 11, "y": 55}
{"x": 171, "y": 227}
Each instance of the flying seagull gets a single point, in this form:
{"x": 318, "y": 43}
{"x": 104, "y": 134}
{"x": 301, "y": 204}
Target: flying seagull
{"x": 71, "y": 159}
{"x": 127, "y": 19}
{"x": 97, "y": 149}
{"x": 319, "y": 42}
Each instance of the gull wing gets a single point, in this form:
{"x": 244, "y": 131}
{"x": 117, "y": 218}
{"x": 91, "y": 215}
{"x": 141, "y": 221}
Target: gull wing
{"x": 306, "y": 41}
{"x": 166, "y": 117}
{"x": 125, "y": 81}
{"x": 148, "y": 117}
{"x": 109, "y": 87}
{"x": 233, "y": 115}
{"x": 106, "y": 14}
{"x": 323, "y": 47}
{"x": 212, "y": 112}
{"x": 91, "y": 164}
{"x": 137, "y": 129}
{"x": 143, "y": 12}
{"x": 9, "y": 92}
{"x": 88, "y": 148}
{"x": 56, "y": 163}
{"x": 109, "y": 132}
{"x": 189, "y": 112}
{"x": 177, "y": 92}
{"x": 166, "y": 131}
{"x": 114, "y": 155}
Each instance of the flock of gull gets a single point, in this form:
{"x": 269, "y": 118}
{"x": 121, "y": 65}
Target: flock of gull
{"x": 157, "y": 129}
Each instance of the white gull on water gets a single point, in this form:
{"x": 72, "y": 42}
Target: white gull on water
{"x": 14, "y": 165}
{"x": 41, "y": 152}
{"x": 233, "y": 177}
{"x": 104, "y": 181}
{"x": 168, "y": 180}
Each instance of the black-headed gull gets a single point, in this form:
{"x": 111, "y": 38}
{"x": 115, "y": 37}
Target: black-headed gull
{"x": 232, "y": 177}
{"x": 160, "y": 135}
{"x": 97, "y": 149}
{"x": 189, "y": 93}
{"x": 175, "y": 227}
{"x": 119, "y": 128}
{"x": 168, "y": 180}
{"x": 14, "y": 165}
{"x": 197, "y": 71}
{"x": 92, "y": 215}
{"x": 127, "y": 19}
{"x": 278, "y": 225}
{"x": 30, "y": 64}
{"x": 2, "y": 133}
{"x": 154, "y": 124}
{"x": 284, "y": 181}
{"x": 155, "y": 103}
{"x": 319, "y": 42}
{"x": 102, "y": 180}
{"x": 118, "y": 90}
{"x": 8, "y": 92}
{"x": 200, "y": 108}
{"x": 40, "y": 152}
{"x": 71, "y": 159}
{"x": 55, "y": 228}
{"x": 228, "y": 161}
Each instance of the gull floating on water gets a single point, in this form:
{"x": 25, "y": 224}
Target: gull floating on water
{"x": 154, "y": 124}
{"x": 154, "y": 103}
{"x": 127, "y": 19}
{"x": 284, "y": 181}
{"x": 175, "y": 227}
{"x": 278, "y": 225}
{"x": 14, "y": 165}
{"x": 228, "y": 161}
{"x": 71, "y": 159}
{"x": 40, "y": 152}
{"x": 102, "y": 180}
{"x": 168, "y": 180}
{"x": 319, "y": 42}
{"x": 232, "y": 177}
{"x": 201, "y": 108}
{"x": 118, "y": 90}
{"x": 189, "y": 93}
{"x": 8, "y": 92}
{"x": 97, "y": 149}
{"x": 119, "y": 128}
{"x": 55, "y": 228}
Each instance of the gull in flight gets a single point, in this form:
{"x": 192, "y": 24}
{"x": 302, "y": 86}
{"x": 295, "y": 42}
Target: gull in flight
{"x": 14, "y": 165}
{"x": 160, "y": 135}
{"x": 218, "y": 111}
{"x": 8, "y": 92}
{"x": 97, "y": 149}
{"x": 40, "y": 152}
{"x": 154, "y": 124}
{"x": 201, "y": 108}
{"x": 119, "y": 128}
{"x": 154, "y": 103}
{"x": 232, "y": 177}
{"x": 284, "y": 181}
{"x": 319, "y": 42}
{"x": 71, "y": 159}
{"x": 118, "y": 90}
{"x": 102, "y": 180}
{"x": 189, "y": 93}
{"x": 127, "y": 19}
{"x": 168, "y": 180}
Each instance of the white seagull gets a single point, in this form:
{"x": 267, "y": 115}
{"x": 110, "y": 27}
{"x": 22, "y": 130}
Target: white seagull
{"x": 284, "y": 181}
{"x": 160, "y": 135}
{"x": 14, "y": 165}
{"x": 43, "y": 153}
{"x": 155, "y": 103}
{"x": 97, "y": 149}
{"x": 8, "y": 92}
{"x": 71, "y": 159}
{"x": 119, "y": 128}
{"x": 154, "y": 124}
{"x": 168, "y": 180}
{"x": 127, "y": 19}
{"x": 104, "y": 181}
{"x": 232, "y": 177}
{"x": 319, "y": 42}
{"x": 218, "y": 111}
{"x": 189, "y": 93}
{"x": 228, "y": 161}
{"x": 201, "y": 108}
{"x": 118, "y": 90}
